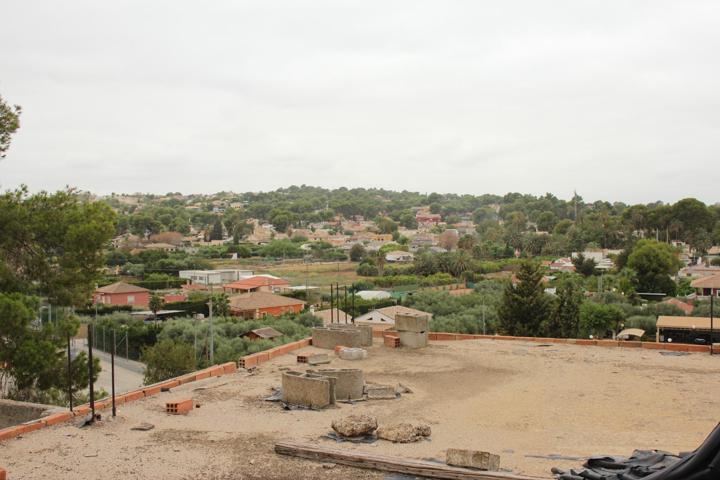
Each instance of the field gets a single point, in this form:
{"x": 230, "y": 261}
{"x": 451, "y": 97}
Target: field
{"x": 320, "y": 274}
{"x": 535, "y": 405}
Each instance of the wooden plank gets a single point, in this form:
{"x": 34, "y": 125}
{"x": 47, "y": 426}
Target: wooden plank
{"x": 389, "y": 464}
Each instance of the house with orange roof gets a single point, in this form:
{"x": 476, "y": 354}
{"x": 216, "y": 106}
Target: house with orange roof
{"x": 122, "y": 293}
{"x": 258, "y": 283}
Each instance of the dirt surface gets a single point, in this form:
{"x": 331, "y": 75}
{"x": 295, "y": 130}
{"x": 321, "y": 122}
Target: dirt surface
{"x": 522, "y": 401}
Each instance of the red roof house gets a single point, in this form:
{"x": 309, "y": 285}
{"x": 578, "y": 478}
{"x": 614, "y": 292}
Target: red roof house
{"x": 261, "y": 304}
{"x": 257, "y": 283}
{"x": 122, "y": 293}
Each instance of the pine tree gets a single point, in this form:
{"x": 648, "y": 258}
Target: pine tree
{"x": 565, "y": 320}
{"x": 525, "y": 307}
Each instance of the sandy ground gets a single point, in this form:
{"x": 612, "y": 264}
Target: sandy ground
{"x": 520, "y": 400}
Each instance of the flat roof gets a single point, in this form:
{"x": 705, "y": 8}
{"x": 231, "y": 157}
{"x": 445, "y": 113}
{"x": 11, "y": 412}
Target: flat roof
{"x": 687, "y": 323}
{"x": 517, "y": 399}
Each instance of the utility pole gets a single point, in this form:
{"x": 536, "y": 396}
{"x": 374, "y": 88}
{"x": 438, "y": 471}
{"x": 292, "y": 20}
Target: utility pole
{"x": 331, "y": 304}
{"x": 352, "y": 316}
{"x": 345, "y": 302}
{"x": 112, "y": 373}
{"x": 212, "y": 332}
{"x": 69, "y": 365}
{"x": 91, "y": 371}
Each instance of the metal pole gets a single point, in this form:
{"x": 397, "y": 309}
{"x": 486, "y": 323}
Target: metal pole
{"x": 352, "y": 319}
{"x": 331, "y": 304}
{"x": 112, "y": 374}
{"x": 345, "y": 303}
{"x": 104, "y": 348}
{"x": 712, "y": 312}
{"x": 91, "y": 372}
{"x": 127, "y": 348}
{"x": 70, "y": 391}
{"x": 212, "y": 332}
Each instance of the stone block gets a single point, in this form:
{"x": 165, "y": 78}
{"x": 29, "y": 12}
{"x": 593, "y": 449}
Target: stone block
{"x": 473, "y": 459}
{"x": 411, "y": 323}
{"x": 329, "y": 338}
{"x": 349, "y": 382}
{"x": 413, "y": 339}
{"x": 380, "y": 392}
{"x": 318, "y": 359}
{"x": 308, "y": 390}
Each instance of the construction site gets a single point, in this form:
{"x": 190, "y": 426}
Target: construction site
{"x": 517, "y": 408}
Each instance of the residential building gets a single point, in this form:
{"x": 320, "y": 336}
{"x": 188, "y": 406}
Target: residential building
{"x": 384, "y": 318}
{"x": 684, "y": 306}
{"x": 707, "y": 286}
{"x": 399, "y": 256}
{"x": 373, "y": 294}
{"x": 697, "y": 330}
{"x": 428, "y": 218}
{"x": 564, "y": 264}
{"x": 261, "y": 304}
{"x": 258, "y": 283}
{"x": 698, "y": 271}
{"x": 264, "y": 333}
{"x": 214, "y": 277}
{"x": 122, "y": 293}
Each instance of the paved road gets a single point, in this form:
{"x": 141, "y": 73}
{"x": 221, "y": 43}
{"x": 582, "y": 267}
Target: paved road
{"x": 128, "y": 373}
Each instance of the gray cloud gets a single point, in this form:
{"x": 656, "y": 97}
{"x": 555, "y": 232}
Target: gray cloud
{"x": 615, "y": 99}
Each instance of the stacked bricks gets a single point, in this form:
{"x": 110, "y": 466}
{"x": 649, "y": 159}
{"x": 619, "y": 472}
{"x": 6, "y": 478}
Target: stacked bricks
{"x": 250, "y": 361}
{"x": 391, "y": 341}
{"x": 179, "y": 407}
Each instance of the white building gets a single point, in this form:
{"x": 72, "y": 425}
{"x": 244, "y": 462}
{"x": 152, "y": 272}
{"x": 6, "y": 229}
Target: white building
{"x": 214, "y": 277}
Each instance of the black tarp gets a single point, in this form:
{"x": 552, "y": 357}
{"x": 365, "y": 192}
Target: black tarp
{"x": 702, "y": 464}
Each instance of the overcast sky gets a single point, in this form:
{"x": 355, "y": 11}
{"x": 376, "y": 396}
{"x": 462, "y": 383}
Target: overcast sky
{"x": 617, "y": 99}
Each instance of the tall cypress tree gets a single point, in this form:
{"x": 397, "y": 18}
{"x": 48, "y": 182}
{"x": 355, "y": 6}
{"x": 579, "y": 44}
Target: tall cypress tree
{"x": 525, "y": 307}
{"x": 565, "y": 319}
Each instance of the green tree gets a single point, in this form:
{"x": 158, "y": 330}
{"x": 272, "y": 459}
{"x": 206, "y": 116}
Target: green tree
{"x": 9, "y": 124}
{"x": 35, "y": 356}
{"x": 596, "y": 318}
{"x": 654, "y": 263}
{"x": 167, "y": 359}
{"x": 525, "y": 307}
{"x": 216, "y": 232}
{"x": 221, "y": 304}
{"x": 386, "y": 225}
{"x": 52, "y": 244}
{"x": 584, "y": 266}
{"x": 156, "y": 304}
{"x": 357, "y": 252}
{"x": 565, "y": 319}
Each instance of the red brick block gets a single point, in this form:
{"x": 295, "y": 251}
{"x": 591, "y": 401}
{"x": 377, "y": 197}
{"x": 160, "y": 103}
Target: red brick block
{"x": 132, "y": 396}
{"x": 3, "y": 474}
{"x": 190, "y": 377}
{"x": 169, "y": 384}
{"x": 608, "y": 343}
{"x": 582, "y": 341}
{"x": 630, "y": 344}
{"x": 391, "y": 341}
{"x": 305, "y": 342}
{"x": 179, "y": 407}
{"x": 466, "y": 336}
{"x": 10, "y": 432}
{"x": 202, "y": 375}
{"x": 56, "y": 418}
{"x": 216, "y": 371}
{"x": 150, "y": 391}
{"x": 229, "y": 367}
{"x": 445, "y": 336}
{"x": 31, "y": 427}
{"x": 248, "y": 361}
{"x": 81, "y": 410}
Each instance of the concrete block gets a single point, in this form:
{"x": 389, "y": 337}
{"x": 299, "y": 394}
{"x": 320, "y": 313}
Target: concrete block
{"x": 318, "y": 359}
{"x": 411, "y": 323}
{"x": 309, "y": 390}
{"x": 380, "y": 392}
{"x": 413, "y": 339}
{"x": 473, "y": 459}
{"x": 329, "y": 338}
{"x": 349, "y": 382}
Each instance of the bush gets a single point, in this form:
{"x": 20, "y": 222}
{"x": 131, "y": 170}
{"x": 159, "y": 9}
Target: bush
{"x": 645, "y": 322}
{"x": 367, "y": 270}
{"x": 167, "y": 359}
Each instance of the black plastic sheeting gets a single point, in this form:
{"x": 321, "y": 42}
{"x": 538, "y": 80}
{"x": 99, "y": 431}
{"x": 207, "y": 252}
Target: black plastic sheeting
{"x": 702, "y": 464}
